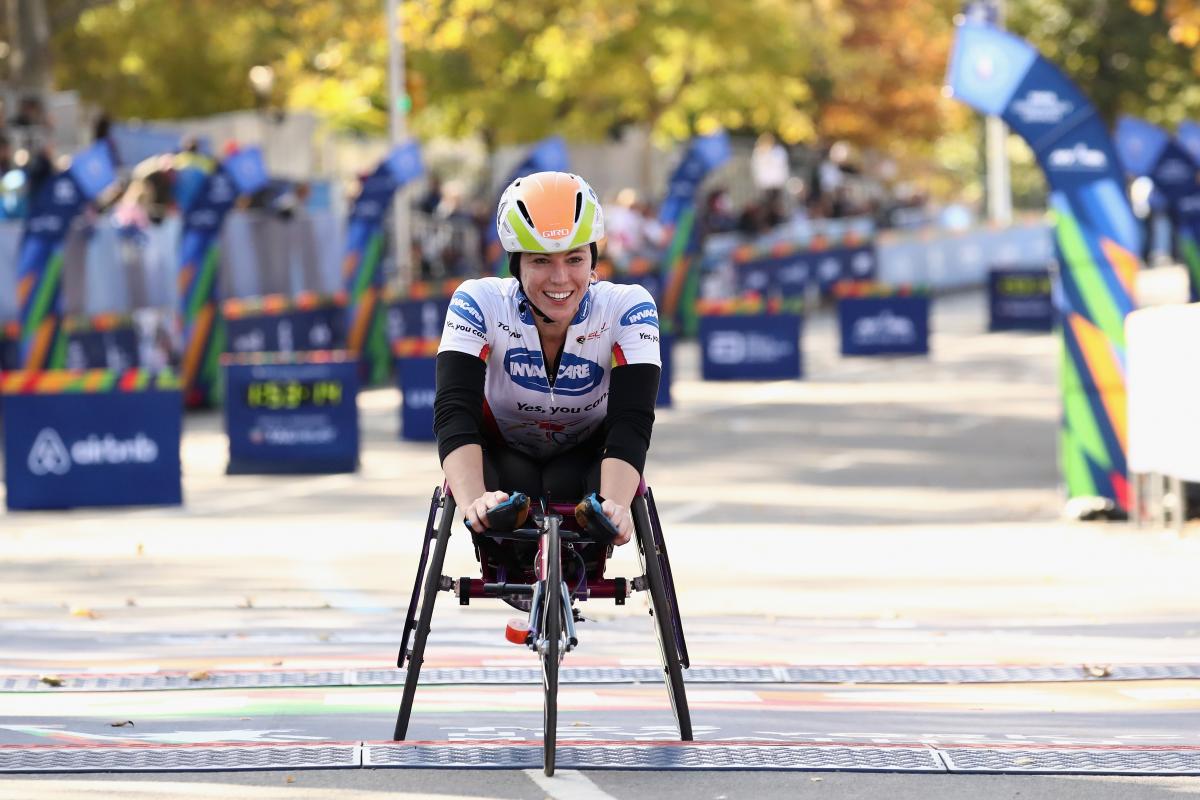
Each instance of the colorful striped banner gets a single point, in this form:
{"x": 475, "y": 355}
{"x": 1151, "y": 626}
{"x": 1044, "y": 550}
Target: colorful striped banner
{"x": 1097, "y": 238}
{"x": 415, "y": 347}
{"x": 703, "y": 155}
{"x": 40, "y": 259}
{"x": 203, "y": 328}
{"x": 92, "y": 381}
{"x": 362, "y": 275}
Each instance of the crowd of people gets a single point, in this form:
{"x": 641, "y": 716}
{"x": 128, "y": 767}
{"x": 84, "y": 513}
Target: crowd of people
{"x": 450, "y": 230}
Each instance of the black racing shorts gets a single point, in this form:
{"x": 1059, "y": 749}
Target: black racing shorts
{"x": 565, "y": 477}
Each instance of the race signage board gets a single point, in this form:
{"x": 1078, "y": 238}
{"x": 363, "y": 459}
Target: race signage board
{"x": 750, "y": 347}
{"x": 91, "y": 438}
{"x": 290, "y": 331}
{"x": 666, "y": 348}
{"x": 1020, "y": 299}
{"x": 417, "y": 377}
{"x": 291, "y": 414}
{"x": 896, "y": 325}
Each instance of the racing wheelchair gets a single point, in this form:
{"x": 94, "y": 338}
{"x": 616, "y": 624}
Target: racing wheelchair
{"x": 542, "y": 569}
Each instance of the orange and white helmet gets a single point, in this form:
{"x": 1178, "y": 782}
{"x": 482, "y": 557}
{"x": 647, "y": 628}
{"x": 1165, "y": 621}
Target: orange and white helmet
{"x": 549, "y": 212}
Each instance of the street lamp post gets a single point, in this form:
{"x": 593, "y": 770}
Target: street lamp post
{"x": 999, "y": 188}
{"x": 402, "y": 233}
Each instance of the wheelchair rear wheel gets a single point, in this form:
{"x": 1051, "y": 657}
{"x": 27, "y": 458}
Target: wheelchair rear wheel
{"x": 664, "y": 624}
{"x": 416, "y": 658}
{"x": 552, "y": 633}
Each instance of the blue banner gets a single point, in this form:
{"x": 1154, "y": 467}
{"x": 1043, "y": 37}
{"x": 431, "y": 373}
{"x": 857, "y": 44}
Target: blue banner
{"x": 416, "y": 319}
{"x": 299, "y": 418}
{"x": 40, "y": 258}
{"x": 362, "y": 264}
{"x": 203, "y": 330}
{"x": 417, "y": 378}
{"x": 1188, "y": 134}
{"x": 790, "y": 275}
{"x": 1019, "y": 299}
{"x": 874, "y": 326}
{"x": 666, "y": 352}
{"x": 1149, "y": 151}
{"x": 704, "y": 154}
{"x": 104, "y": 449}
{"x": 292, "y": 331}
{"x": 1097, "y": 237}
{"x": 750, "y": 347}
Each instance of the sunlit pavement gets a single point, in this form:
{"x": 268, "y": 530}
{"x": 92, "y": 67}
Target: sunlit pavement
{"x": 879, "y": 513}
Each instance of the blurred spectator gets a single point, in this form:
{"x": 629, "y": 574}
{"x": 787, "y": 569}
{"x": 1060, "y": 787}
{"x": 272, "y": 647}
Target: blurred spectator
{"x": 753, "y": 219}
{"x": 654, "y": 234}
{"x": 769, "y": 164}
{"x": 828, "y": 178}
{"x": 131, "y": 213}
{"x": 623, "y": 225}
{"x": 6, "y": 154}
{"x": 718, "y": 212}
{"x": 774, "y": 208}
{"x": 432, "y": 198}
{"x": 102, "y": 132}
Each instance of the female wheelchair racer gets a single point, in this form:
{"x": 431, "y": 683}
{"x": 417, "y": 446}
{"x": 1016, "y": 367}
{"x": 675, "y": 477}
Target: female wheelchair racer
{"x": 546, "y": 384}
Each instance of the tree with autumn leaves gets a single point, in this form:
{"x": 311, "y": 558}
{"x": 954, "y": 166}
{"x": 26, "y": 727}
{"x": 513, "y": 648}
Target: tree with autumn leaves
{"x": 812, "y": 71}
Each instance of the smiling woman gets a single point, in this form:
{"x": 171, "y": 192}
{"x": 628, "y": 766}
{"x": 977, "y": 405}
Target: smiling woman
{"x": 549, "y": 387}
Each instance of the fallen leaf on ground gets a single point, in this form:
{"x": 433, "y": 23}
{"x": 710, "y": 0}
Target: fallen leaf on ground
{"x": 1098, "y": 670}
{"x": 52, "y": 680}
{"x": 276, "y": 663}
{"x": 199, "y": 675}
{"x": 81, "y": 611}
{"x": 123, "y": 724}
{"x": 291, "y": 778}
{"x": 141, "y": 549}
{"x": 129, "y": 601}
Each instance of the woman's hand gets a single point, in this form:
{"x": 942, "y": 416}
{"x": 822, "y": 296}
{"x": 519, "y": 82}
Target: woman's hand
{"x": 476, "y": 512}
{"x": 621, "y": 519}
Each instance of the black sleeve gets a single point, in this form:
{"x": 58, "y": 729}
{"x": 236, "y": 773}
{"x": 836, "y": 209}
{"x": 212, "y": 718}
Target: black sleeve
{"x": 632, "y": 391}
{"x": 458, "y": 403}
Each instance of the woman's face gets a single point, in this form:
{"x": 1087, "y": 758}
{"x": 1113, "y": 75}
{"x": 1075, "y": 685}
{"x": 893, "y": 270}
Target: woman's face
{"x": 557, "y": 282}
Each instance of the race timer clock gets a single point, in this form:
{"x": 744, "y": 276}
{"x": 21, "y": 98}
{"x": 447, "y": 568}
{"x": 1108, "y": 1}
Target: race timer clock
{"x": 274, "y": 395}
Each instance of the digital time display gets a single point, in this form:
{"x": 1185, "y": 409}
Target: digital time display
{"x": 285, "y": 394}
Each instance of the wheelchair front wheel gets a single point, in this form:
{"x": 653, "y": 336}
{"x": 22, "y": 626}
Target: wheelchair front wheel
{"x": 552, "y": 638}
{"x": 664, "y": 624}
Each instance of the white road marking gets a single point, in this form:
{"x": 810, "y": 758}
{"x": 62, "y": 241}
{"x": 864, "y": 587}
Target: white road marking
{"x": 568, "y": 784}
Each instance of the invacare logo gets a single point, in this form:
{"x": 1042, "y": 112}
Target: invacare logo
{"x": 641, "y": 314}
{"x": 465, "y": 306}
{"x": 51, "y": 456}
{"x": 576, "y": 376}
{"x": 1079, "y": 157}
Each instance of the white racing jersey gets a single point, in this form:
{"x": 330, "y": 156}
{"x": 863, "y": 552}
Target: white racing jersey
{"x": 616, "y": 324}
